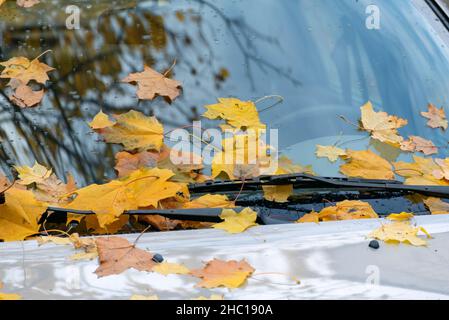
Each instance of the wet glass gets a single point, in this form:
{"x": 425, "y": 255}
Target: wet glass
{"x": 318, "y": 55}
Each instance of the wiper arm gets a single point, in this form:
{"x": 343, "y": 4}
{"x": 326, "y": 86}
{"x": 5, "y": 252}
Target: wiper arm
{"x": 264, "y": 214}
{"x": 314, "y": 182}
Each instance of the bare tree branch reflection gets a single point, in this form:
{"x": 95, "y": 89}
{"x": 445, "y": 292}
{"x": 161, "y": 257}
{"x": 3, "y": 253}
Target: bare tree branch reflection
{"x": 90, "y": 64}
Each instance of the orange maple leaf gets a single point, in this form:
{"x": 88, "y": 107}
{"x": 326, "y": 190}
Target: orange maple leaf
{"x": 216, "y": 273}
{"x": 118, "y": 254}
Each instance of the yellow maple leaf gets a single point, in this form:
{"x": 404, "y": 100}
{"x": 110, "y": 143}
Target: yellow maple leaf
{"x": 94, "y": 226}
{"x": 238, "y": 114}
{"x": 243, "y": 156}
{"x": 423, "y": 172}
{"x": 230, "y": 274}
{"x": 400, "y": 232}
{"x": 309, "y": 217}
{"x": 403, "y": 216}
{"x": 286, "y": 166}
{"x": 167, "y": 268}
{"x": 24, "y": 70}
{"x": 330, "y": 152}
{"x": 281, "y": 193}
{"x": 8, "y": 296}
{"x": 142, "y": 188}
{"x": 366, "y": 164}
{"x": 101, "y": 121}
{"x": 210, "y": 201}
{"x": 134, "y": 130}
{"x": 278, "y": 194}
{"x": 19, "y": 215}
{"x": 382, "y": 126}
{"x": 348, "y": 210}
{"x": 237, "y": 222}
{"x": 36, "y": 174}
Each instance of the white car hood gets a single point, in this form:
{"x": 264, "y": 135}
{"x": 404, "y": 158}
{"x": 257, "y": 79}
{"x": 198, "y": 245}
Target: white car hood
{"x": 332, "y": 260}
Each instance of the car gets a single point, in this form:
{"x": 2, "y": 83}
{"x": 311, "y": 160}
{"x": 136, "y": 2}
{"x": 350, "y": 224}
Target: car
{"x": 309, "y": 66}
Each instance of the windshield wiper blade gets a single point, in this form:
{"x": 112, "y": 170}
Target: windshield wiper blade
{"x": 199, "y": 214}
{"x": 307, "y": 181}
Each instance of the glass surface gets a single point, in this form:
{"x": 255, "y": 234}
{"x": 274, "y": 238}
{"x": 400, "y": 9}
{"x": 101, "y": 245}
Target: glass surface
{"x": 317, "y": 54}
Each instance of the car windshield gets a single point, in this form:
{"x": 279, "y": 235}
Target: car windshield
{"x": 313, "y": 61}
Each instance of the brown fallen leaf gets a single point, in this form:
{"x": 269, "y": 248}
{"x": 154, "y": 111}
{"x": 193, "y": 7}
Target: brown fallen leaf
{"x": 230, "y": 274}
{"x": 442, "y": 172}
{"x": 126, "y": 163}
{"x": 25, "y": 97}
{"x": 381, "y": 125}
{"x": 151, "y": 84}
{"x": 118, "y": 254}
{"x": 27, "y": 3}
{"x": 437, "y": 117}
{"x": 366, "y": 164}
{"x": 160, "y": 223}
{"x": 4, "y": 183}
{"x": 54, "y": 191}
{"x": 436, "y": 205}
{"x": 415, "y": 144}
